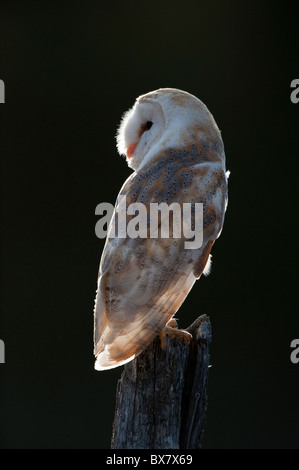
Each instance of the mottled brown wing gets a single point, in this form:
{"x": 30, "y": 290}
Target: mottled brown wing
{"x": 143, "y": 282}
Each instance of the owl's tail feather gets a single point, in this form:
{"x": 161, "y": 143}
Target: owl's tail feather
{"x": 104, "y": 362}
{"x": 116, "y": 346}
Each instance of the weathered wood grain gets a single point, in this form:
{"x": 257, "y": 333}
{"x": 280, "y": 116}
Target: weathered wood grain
{"x": 161, "y": 396}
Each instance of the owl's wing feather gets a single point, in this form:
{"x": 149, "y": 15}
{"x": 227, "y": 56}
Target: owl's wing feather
{"x": 144, "y": 281}
{"x": 116, "y": 346}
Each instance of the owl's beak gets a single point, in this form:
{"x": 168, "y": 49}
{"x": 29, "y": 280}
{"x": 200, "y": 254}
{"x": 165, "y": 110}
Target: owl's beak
{"x": 130, "y": 150}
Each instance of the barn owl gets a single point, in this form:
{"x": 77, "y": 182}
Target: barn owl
{"x": 173, "y": 144}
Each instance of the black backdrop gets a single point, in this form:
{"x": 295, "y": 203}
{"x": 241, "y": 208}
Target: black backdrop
{"x": 71, "y": 69}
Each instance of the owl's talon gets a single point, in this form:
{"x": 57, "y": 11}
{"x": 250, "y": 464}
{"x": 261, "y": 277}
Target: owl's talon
{"x": 173, "y": 333}
{"x": 173, "y": 323}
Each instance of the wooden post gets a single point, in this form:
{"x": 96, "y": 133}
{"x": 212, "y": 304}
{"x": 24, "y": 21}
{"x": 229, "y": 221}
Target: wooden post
{"x": 161, "y": 396}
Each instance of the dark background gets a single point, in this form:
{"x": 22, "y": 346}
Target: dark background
{"x": 71, "y": 69}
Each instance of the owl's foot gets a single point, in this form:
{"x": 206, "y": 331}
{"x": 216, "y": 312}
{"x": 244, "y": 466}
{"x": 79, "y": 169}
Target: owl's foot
{"x": 173, "y": 323}
{"x": 173, "y": 332}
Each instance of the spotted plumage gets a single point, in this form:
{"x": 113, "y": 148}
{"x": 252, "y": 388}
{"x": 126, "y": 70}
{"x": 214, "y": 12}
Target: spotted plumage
{"x": 173, "y": 143}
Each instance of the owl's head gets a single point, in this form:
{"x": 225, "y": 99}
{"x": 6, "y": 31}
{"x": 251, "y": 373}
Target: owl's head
{"x": 158, "y": 120}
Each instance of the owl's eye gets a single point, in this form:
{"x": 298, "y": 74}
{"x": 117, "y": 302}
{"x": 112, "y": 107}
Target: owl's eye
{"x": 148, "y": 125}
